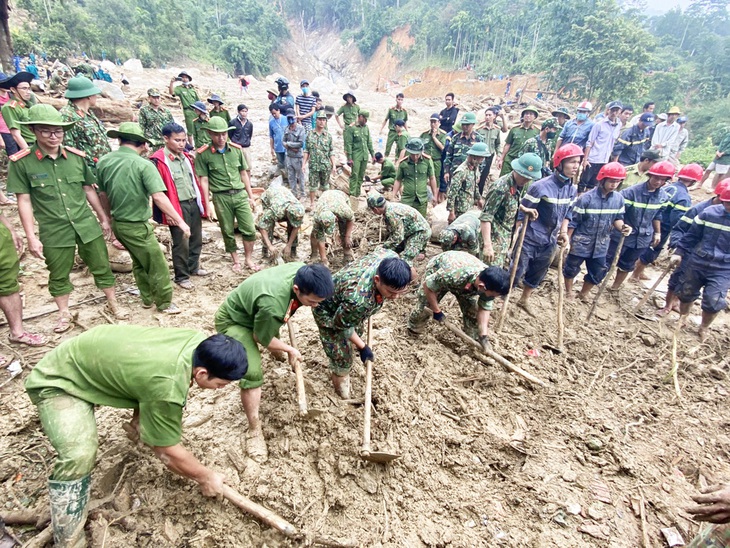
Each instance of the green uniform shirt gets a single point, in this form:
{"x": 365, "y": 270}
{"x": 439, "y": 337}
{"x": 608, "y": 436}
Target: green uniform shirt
{"x": 723, "y": 147}
{"x": 430, "y": 148}
{"x": 358, "y": 143}
{"x": 128, "y": 367}
{"x": 456, "y": 272}
{"x": 181, "y": 175}
{"x": 633, "y": 176}
{"x": 279, "y": 204}
{"x": 223, "y": 168}
{"x": 264, "y": 301}
{"x": 396, "y": 114}
{"x": 186, "y": 94}
{"x": 153, "y": 120}
{"x": 516, "y": 138}
{"x": 464, "y": 189}
{"x": 468, "y": 231}
{"x": 400, "y": 143}
{"x": 492, "y": 138}
{"x": 200, "y": 134}
{"x": 87, "y": 134}
{"x": 349, "y": 113}
{"x": 128, "y": 180}
{"x": 335, "y": 202}
{"x": 222, "y": 113}
{"x": 320, "y": 149}
{"x": 537, "y": 146}
{"x": 414, "y": 177}
{"x": 501, "y": 204}
{"x": 460, "y": 144}
{"x": 15, "y": 111}
{"x": 387, "y": 170}
{"x": 57, "y": 194}
{"x": 402, "y": 221}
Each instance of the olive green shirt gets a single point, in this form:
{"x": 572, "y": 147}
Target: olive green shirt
{"x": 223, "y": 168}
{"x": 15, "y": 111}
{"x": 128, "y": 180}
{"x": 264, "y": 301}
{"x": 127, "y": 367}
{"x": 414, "y": 178}
{"x": 396, "y": 114}
{"x": 222, "y": 113}
{"x": 429, "y": 146}
{"x": 349, "y": 113}
{"x": 200, "y": 134}
{"x": 181, "y": 175}
{"x": 186, "y": 94}
{"x": 57, "y": 194}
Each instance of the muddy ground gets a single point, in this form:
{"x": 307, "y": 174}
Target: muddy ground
{"x": 487, "y": 458}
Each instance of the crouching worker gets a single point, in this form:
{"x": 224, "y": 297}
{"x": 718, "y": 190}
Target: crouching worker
{"x": 474, "y": 284}
{"x": 360, "y": 290}
{"x": 148, "y": 369}
{"x": 253, "y": 313}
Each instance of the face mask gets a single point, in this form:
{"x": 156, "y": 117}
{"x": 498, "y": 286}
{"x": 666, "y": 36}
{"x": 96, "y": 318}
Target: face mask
{"x": 305, "y": 90}
{"x": 551, "y": 134}
{"x": 582, "y": 116}
{"x": 560, "y": 176}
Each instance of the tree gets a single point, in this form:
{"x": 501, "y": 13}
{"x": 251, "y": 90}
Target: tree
{"x": 6, "y": 46}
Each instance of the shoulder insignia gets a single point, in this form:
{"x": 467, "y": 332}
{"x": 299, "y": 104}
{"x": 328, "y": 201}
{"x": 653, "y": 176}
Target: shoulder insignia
{"x": 76, "y": 151}
{"x": 21, "y": 154}
{"x": 13, "y": 104}
{"x": 235, "y": 145}
{"x": 202, "y": 149}
{"x": 427, "y": 156}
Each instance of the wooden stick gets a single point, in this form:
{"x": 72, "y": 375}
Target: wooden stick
{"x": 368, "y": 395}
{"x": 642, "y": 511}
{"x": 561, "y": 296}
{"x": 259, "y": 512}
{"x": 301, "y": 394}
{"x": 41, "y": 539}
{"x": 513, "y": 273}
{"x": 674, "y": 359}
{"x": 489, "y": 356}
{"x": 651, "y": 290}
{"x": 610, "y": 272}
{"x": 38, "y": 518}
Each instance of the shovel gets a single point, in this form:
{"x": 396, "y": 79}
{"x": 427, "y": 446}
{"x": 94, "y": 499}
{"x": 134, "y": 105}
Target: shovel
{"x": 513, "y": 273}
{"x": 608, "y": 275}
{"x": 561, "y": 296}
{"x": 365, "y": 452}
{"x": 301, "y": 394}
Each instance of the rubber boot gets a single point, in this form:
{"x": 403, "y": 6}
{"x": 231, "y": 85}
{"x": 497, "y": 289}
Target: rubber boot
{"x": 69, "y": 508}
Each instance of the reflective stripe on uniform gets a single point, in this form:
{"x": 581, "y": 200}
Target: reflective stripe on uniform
{"x": 558, "y": 201}
{"x": 598, "y": 211}
{"x": 643, "y": 205}
{"x": 710, "y": 224}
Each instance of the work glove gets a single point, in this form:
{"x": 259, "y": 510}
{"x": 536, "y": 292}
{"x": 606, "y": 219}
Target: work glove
{"x": 439, "y": 316}
{"x": 366, "y": 354}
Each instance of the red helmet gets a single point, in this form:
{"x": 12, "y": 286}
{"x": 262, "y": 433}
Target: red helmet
{"x": 613, "y": 170}
{"x": 721, "y": 186}
{"x": 662, "y": 169}
{"x": 693, "y": 172}
{"x": 725, "y": 196}
{"x": 566, "y": 151}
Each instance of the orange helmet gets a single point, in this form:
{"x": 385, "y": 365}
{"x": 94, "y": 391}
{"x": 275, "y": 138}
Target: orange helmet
{"x": 662, "y": 169}
{"x": 612, "y": 170}
{"x": 693, "y": 172}
{"x": 566, "y": 151}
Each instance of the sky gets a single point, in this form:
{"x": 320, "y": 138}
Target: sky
{"x": 662, "y": 6}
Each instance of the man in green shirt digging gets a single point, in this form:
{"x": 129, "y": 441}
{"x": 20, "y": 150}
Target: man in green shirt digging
{"x": 126, "y": 183}
{"x": 253, "y": 313}
{"x": 147, "y": 369}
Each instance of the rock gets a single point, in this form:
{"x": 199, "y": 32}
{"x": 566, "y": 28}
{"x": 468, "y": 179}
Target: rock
{"x": 595, "y": 512}
{"x": 648, "y": 340}
{"x": 573, "y": 508}
{"x": 559, "y": 518}
{"x": 716, "y": 373}
{"x": 471, "y": 523}
{"x": 570, "y": 476}
{"x": 594, "y": 444}
{"x": 594, "y": 530}
{"x": 109, "y": 90}
{"x": 133, "y": 65}
{"x": 323, "y": 85}
{"x": 107, "y": 65}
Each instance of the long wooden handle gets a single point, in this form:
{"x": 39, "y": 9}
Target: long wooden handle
{"x": 561, "y": 296}
{"x": 301, "y": 394}
{"x": 512, "y": 274}
{"x": 368, "y": 396}
{"x": 610, "y": 272}
{"x": 651, "y": 290}
{"x": 259, "y": 512}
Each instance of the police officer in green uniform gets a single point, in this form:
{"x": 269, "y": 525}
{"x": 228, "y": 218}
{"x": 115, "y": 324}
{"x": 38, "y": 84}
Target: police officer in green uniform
{"x": 218, "y": 109}
{"x": 348, "y": 111}
{"x": 434, "y": 141}
{"x": 126, "y": 183}
{"x": 88, "y": 133}
{"x": 55, "y": 185}
{"x": 415, "y": 175}
{"x": 222, "y": 169}
{"x": 358, "y": 148}
{"x": 187, "y": 95}
{"x": 401, "y": 138}
{"x": 253, "y": 313}
{"x": 16, "y": 110}
{"x": 200, "y": 124}
{"x": 387, "y": 172}
{"x": 394, "y": 114}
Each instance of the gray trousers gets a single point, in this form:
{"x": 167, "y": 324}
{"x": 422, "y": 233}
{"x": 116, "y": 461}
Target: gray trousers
{"x": 294, "y": 170}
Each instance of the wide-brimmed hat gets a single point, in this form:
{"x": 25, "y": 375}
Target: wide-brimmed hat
{"x": 529, "y": 109}
{"x": 153, "y": 92}
{"x": 375, "y": 199}
{"x": 414, "y": 146}
{"x": 13, "y": 81}
{"x": 80, "y": 87}
{"x": 199, "y": 105}
{"x": 216, "y": 124}
{"x": 478, "y": 149}
{"x": 129, "y": 131}
{"x": 45, "y": 115}
{"x": 184, "y": 73}
{"x": 468, "y": 118}
{"x": 344, "y": 97}
{"x": 215, "y": 98}
{"x": 561, "y": 110}
{"x": 528, "y": 165}
{"x": 674, "y": 110}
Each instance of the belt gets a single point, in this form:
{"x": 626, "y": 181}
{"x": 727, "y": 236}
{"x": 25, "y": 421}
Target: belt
{"x": 229, "y": 191}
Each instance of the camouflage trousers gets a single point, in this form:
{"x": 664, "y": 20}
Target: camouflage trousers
{"x": 500, "y": 244}
{"x": 338, "y": 348}
{"x": 419, "y": 315}
{"x": 414, "y": 244}
{"x": 319, "y": 179}
{"x": 712, "y": 536}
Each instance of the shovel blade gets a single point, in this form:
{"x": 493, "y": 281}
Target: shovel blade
{"x": 378, "y": 456}
{"x": 311, "y": 413}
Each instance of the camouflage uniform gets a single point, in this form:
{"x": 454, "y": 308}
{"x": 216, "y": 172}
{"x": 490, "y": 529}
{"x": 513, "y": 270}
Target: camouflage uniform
{"x": 152, "y": 121}
{"x": 408, "y": 231}
{"x": 543, "y": 150}
{"x": 320, "y": 149}
{"x": 333, "y": 205}
{"x": 464, "y": 190}
{"x": 712, "y": 536}
{"x": 469, "y": 236}
{"x": 279, "y": 204}
{"x": 501, "y": 204}
{"x": 456, "y": 154}
{"x": 454, "y": 272}
{"x": 354, "y": 301}
{"x": 87, "y": 134}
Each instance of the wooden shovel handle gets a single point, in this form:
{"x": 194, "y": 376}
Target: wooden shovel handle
{"x": 259, "y": 512}
{"x": 301, "y": 394}
{"x": 368, "y": 396}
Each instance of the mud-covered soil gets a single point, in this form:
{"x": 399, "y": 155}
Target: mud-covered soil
{"x": 487, "y": 458}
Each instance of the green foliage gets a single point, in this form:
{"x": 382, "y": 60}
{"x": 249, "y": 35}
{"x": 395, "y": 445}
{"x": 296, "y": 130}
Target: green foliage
{"x": 701, "y": 153}
{"x": 22, "y": 41}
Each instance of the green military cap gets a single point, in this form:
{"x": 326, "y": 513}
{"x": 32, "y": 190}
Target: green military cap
{"x": 529, "y": 109}
{"x": 80, "y": 87}
{"x": 153, "y": 92}
{"x": 550, "y": 123}
{"x": 561, "y": 110}
{"x": 447, "y": 238}
{"x": 217, "y": 125}
{"x": 528, "y": 165}
{"x": 375, "y": 199}
{"x": 468, "y": 118}
{"x": 478, "y": 149}
{"x": 365, "y": 114}
{"x": 457, "y": 127}
{"x": 130, "y": 131}
{"x": 45, "y": 115}
{"x": 320, "y": 114}
{"x": 414, "y": 146}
